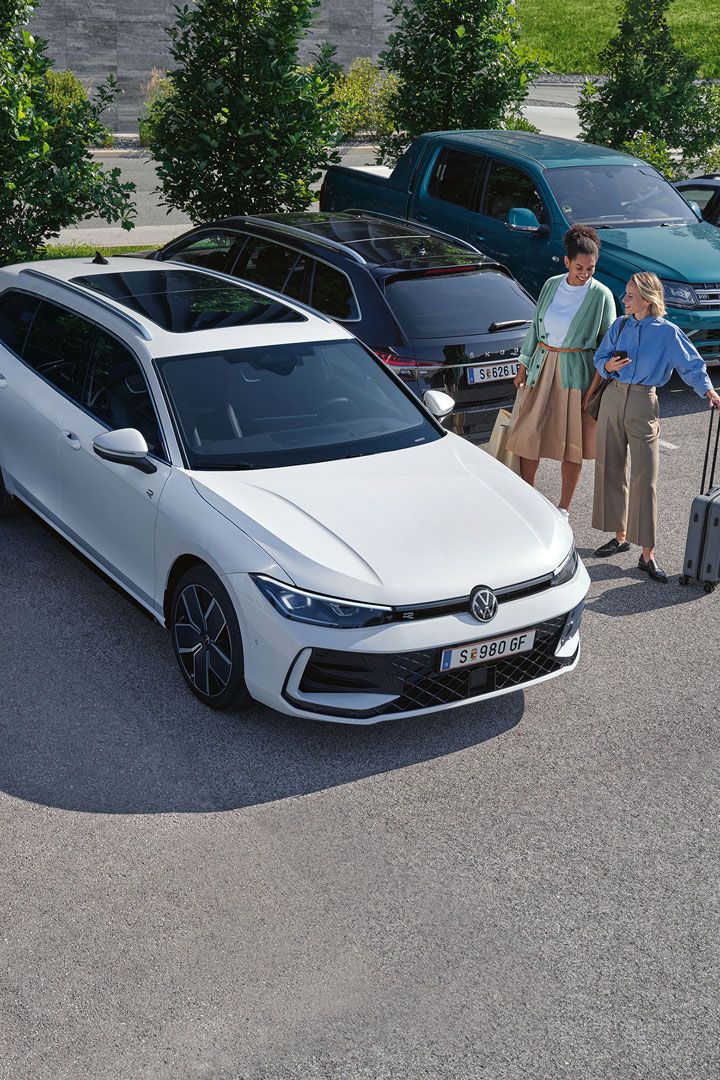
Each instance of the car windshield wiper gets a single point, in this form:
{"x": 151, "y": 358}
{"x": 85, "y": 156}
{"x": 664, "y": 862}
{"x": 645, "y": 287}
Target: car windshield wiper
{"x": 229, "y": 466}
{"x": 509, "y": 324}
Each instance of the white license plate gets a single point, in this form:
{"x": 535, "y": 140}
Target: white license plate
{"x": 485, "y": 652}
{"x": 493, "y": 372}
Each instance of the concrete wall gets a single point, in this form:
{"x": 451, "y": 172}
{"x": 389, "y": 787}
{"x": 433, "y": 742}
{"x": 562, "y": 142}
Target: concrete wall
{"x": 126, "y": 38}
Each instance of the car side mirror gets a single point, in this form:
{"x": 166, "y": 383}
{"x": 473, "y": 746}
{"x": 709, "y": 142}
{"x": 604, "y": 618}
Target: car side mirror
{"x": 439, "y": 404}
{"x": 126, "y": 446}
{"x": 520, "y": 219}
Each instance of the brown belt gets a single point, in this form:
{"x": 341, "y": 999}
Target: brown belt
{"x": 551, "y": 348}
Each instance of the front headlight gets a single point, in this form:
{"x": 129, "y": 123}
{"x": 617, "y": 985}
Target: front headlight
{"x": 309, "y": 607}
{"x": 566, "y": 570}
{"x": 678, "y": 294}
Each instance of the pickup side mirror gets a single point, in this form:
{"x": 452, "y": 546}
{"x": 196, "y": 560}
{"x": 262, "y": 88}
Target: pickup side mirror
{"x": 520, "y": 219}
{"x": 126, "y": 446}
{"x": 439, "y": 404}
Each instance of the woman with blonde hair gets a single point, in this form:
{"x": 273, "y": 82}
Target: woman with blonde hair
{"x": 556, "y": 373}
{"x": 638, "y": 354}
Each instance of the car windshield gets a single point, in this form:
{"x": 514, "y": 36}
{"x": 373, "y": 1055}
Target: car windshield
{"x": 617, "y": 196}
{"x": 292, "y": 404}
{"x": 435, "y": 304}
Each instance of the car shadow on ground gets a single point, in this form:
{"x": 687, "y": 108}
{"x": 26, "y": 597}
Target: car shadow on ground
{"x": 94, "y": 716}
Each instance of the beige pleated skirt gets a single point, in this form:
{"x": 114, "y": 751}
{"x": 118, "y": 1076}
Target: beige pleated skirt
{"x": 550, "y": 422}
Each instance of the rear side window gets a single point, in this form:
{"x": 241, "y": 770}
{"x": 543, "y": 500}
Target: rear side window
{"x": 58, "y": 347}
{"x": 441, "y": 305}
{"x": 16, "y": 315}
{"x": 333, "y": 294}
{"x": 454, "y": 176}
{"x": 509, "y": 188}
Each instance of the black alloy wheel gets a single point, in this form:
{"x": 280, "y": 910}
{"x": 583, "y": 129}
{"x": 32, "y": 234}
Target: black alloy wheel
{"x": 206, "y": 639}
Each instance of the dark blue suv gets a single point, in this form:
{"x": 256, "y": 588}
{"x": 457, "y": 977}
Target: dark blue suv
{"x": 435, "y": 309}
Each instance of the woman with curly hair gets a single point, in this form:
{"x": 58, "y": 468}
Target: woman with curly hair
{"x": 557, "y": 371}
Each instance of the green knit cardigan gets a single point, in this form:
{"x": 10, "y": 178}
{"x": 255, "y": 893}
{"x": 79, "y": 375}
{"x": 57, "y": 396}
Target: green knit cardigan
{"x": 586, "y": 331}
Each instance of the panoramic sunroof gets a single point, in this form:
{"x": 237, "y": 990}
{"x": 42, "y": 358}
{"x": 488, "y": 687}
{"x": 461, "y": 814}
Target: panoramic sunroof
{"x": 183, "y": 301}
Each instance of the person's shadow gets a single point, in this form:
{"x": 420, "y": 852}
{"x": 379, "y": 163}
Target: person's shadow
{"x": 95, "y": 717}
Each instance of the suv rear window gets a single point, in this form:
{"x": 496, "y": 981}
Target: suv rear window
{"x": 440, "y": 304}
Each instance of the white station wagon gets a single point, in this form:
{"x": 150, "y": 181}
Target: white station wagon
{"x": 263, "y": 484}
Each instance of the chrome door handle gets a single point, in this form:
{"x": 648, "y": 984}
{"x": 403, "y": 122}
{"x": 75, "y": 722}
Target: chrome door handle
{"x": 72, "y": 438}
{"x": 3, "y": 382}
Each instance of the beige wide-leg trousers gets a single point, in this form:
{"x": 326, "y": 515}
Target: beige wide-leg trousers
{"x": 628, "y": 418}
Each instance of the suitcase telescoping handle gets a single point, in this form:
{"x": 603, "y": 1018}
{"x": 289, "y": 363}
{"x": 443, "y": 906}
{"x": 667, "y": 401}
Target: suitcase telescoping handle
{"x": 703, "y": 489}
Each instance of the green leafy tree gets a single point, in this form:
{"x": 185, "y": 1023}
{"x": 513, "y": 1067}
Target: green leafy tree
{"x": 245, "y": 129}
{"x": 48, "y": 179}
{"x": 362, "y": 98}
{"x": 650, "y": 93}
{"x": 459, "y": 65}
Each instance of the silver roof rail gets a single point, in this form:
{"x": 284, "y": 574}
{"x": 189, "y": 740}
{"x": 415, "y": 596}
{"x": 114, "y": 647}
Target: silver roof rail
{"x": 421, "y": 227}
{"x": 308, "y": 235}
{"x": 88, "y": 294}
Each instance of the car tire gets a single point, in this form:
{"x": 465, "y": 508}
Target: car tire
{"x": 7, "y": 501}
{"x": 206, "y": 639}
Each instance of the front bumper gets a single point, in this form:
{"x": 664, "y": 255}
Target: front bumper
{"x": 383, "y": 672}
{"x": 703, "y": 329}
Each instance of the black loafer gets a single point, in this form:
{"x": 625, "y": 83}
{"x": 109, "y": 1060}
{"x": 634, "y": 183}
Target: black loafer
{"x": 613, "y": 547}
{"x": 652, "y": 569}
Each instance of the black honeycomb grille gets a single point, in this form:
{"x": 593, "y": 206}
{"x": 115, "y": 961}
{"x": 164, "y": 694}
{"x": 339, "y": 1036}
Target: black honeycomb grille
{"x": 415, "y": 677}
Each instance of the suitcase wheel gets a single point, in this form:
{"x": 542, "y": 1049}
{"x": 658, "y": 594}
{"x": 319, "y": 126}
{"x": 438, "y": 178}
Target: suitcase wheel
{"x": 709, "y": 587}
{"x": 683, "y": 579}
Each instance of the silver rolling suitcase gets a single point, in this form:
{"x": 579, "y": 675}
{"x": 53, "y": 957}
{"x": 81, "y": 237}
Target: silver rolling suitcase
{"x": 702, "y": 550}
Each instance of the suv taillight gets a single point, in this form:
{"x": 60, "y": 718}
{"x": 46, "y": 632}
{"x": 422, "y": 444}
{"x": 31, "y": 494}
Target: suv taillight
{"x": 404, "y": 366}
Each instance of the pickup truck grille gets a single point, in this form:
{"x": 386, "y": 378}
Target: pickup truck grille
{"x": 708, "y": 295}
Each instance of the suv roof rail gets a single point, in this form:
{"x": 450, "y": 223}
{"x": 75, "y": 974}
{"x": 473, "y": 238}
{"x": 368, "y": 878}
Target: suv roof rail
{"x": 303, "y": 234}
{"x": 93, "y": 297}
{"x": 421, "y": 226}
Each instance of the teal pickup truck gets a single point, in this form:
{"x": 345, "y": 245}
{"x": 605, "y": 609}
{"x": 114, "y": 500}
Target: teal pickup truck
{"x": 513, "y": 195}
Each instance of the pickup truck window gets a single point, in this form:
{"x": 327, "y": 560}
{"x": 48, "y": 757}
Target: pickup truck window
{"x": 618, "y": 196}
{"x": 454, "y": 177}
{"x": 508, "y": 188}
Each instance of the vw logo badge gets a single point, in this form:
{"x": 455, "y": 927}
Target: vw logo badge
{"x": 483, "y": 604}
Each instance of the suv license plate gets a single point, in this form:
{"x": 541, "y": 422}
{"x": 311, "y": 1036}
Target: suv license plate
{"x": 484, "y": 652}
{"x": 492, "y": 372}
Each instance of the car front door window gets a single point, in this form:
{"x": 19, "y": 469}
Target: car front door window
{"x": 116, "y": 393}
{"x": 266, "y": 263}
{"x": 210, "y": 251}
{"x": 509, "y": 188}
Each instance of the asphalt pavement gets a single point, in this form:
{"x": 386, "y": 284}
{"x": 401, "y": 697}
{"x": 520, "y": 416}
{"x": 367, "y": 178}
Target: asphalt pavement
{"x": 521, "y": 890}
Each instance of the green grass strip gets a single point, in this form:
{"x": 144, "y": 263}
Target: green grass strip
{"x": 81, "y": 251}
{"x": 570, "y": 35}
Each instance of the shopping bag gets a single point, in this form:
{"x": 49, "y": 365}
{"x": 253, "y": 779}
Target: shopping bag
{"x": 499, "y": 437}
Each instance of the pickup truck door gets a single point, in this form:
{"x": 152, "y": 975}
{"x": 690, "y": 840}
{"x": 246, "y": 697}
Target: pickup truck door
{"x": 530, "y": 256}
{"x": 447, "y": 192}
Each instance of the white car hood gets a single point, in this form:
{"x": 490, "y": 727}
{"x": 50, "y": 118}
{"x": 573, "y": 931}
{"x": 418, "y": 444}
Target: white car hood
{"x": 408, "y": 527}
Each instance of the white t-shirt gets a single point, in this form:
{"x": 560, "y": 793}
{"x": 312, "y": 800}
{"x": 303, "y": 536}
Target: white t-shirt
{"x": 564, "y": 306}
